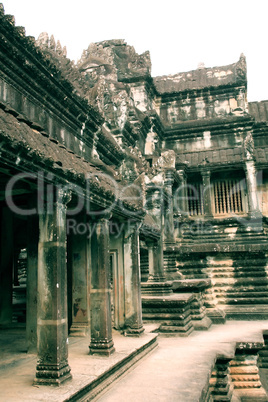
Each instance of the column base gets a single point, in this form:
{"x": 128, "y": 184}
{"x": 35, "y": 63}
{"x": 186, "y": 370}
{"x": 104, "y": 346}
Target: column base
{"x": 135, "y": 332}
{"x": 79, "y": 330}
{"x": 52, "y": 374}
{"x": 101, "y": 347}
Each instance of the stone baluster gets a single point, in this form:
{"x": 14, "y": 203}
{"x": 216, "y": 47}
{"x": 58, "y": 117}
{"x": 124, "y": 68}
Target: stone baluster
{"x": 100, "y": 293}
{"x": 52, "y": 322}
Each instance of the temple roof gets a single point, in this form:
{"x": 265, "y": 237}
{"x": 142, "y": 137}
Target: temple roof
{"x": 232, "y": 74}
{"x": 26, "y": 146}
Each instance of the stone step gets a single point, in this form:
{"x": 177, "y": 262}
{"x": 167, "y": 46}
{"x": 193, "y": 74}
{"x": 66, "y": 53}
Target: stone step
{"x": 246, "y": 311}
{"x": 243, "y": 300}
{"x": 173, "y": 311}
{"x": 114, "y": 371}
{"x": 221, "y": 296}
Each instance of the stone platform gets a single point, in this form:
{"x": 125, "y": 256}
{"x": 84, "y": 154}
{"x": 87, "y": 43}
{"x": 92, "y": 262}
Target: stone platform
{"x": 198, "y": 310}
{"x": 172, "y": 312}
{"x": 90, "y": 374}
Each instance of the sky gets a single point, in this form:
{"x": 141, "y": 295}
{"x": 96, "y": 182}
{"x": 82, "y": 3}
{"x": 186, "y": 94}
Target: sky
{"x": 179, "y": 34}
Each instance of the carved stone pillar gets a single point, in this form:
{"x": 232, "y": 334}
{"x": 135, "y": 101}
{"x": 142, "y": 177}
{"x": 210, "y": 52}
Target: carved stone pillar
{"x": 156, "y": 262}
{"x": 181, "y": 199}
{"x": 133, "y": 309}
{"x": 6, "y": 266}
{"x": 100, "y": 293}
{"x": 169, "y": 215}
{"x": 32, "y": 267}
{"x": 253, "y": 204}
{"x": 155, "y": 204}
{"x": 170, "y": 269}
{"x": 80, "y": 254}
{"x": 207, "y": 193}
{"x": 52, "y": 323}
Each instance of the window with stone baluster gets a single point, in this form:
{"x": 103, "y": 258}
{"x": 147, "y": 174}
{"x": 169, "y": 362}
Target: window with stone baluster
{"x": 228, "y": 195}
{"x": 195, "y": 198}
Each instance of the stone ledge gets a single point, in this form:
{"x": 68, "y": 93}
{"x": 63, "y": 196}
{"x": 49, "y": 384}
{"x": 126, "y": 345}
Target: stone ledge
{"x": 90, "y": 391}
{"x": 191, "y": 285}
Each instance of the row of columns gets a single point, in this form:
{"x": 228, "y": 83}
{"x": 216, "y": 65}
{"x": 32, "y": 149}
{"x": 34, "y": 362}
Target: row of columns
{"x": 91, "y": 274}
{"x": 160, "y": 206}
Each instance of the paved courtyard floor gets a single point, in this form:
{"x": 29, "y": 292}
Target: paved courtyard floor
{"x": 180, "y": 367}
{"x": 177, "y": 370}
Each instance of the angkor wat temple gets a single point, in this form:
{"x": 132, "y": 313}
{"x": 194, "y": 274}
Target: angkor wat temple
{"x": 126, "y": 198}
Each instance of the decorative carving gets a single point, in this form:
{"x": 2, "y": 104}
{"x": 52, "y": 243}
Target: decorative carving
{"x": 167, "y": 159}
{"x": 249, "y": 146}
{"x": 241, "y": 68}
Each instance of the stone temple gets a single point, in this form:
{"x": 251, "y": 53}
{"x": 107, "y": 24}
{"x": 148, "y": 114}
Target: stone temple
{"x": 127, "y": 200}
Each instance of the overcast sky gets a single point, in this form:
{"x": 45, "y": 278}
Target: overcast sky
{"x": 178, "y": 33}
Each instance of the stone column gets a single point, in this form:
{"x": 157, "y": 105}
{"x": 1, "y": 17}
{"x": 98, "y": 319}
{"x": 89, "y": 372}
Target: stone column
{"x": 32, "y": 268}
{"x": 169, "y": 215}
{"x": 170, "y": 268}
{"x": 253, "y": 204}
{"x": 6, "y": 267}
{"x": 207, "y": 193}
{"x": 156, "y": 262}
{"x": 52, "y": 323}
{"x": 181, "y": 199}
{"x": 100, "y": 294}
{"x": 133, "y": 309}
{"x": 80, "y": 255}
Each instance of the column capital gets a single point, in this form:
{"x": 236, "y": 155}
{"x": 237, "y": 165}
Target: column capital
{"x": 205, "y": 171}
{"x": 169, "y": 176}
{"x": 180, "y": 175}
{"x": 131, "y": 228}
{"x": 54, "y": 195}
{"x": 63, "y": 196}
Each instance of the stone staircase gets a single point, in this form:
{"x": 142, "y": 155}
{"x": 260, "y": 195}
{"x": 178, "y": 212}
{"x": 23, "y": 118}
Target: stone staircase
{"x": 236, "y": 378}
{"x": 239, "y": 282}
